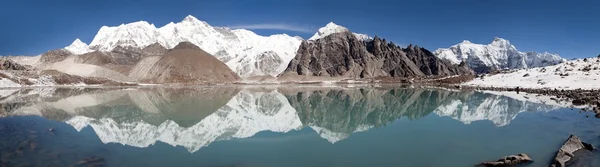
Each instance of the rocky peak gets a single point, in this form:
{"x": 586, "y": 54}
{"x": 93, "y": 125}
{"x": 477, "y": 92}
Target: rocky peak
{"x": 154, "y": 49}
{"x": 186, "y": 45}
{"x": 355, "y": 58}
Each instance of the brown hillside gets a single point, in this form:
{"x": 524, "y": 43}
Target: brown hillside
{"x": 185, "y": 63}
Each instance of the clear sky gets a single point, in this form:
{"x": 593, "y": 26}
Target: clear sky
{"x": 570, "y": 28}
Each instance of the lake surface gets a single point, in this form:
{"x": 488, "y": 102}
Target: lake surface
{"x": 279, "y": 126}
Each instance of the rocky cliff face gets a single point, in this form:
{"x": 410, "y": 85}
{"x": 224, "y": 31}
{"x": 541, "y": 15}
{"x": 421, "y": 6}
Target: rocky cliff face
{"x": 344, "y": 55}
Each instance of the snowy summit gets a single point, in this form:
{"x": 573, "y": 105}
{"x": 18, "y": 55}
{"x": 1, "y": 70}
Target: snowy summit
{"x": 332, "y": 28}
{"x": 78, "y": 47}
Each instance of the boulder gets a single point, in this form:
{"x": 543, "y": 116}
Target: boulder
{"x": 567, "y": 151}
{"x": 579, "y": 102}
{"x": 510, "y": 160}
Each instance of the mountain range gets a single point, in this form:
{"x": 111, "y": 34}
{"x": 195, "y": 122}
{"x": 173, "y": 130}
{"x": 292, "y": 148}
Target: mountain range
{"x": 498, "y": 55}
{"x": 245, "y": 52}
{"x": 136, "y": 53}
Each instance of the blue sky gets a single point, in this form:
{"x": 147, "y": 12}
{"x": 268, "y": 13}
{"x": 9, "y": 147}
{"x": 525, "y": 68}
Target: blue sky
{"x": 570, "y": 28}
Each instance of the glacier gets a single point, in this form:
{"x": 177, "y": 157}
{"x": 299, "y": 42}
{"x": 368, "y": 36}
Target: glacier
{"x": 498, "y": 55}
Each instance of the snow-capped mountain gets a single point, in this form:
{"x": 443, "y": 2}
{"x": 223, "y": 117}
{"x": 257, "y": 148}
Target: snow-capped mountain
{"x": 332, "y": 28}
{"x": 245, "y": 52}
{"x": 78, "y": 47}
{"x": 499, "y": 54}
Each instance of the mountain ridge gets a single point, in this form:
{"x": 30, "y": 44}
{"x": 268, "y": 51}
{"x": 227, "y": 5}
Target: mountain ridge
{"x": 498, "y": 55}
{"x": 240, "y": 49}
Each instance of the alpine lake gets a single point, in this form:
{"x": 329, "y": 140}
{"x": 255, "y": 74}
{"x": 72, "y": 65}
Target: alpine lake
{"x": 280, "y": 126}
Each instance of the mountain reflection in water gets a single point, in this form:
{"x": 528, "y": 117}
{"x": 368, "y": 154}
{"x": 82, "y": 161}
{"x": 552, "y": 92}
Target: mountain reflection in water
{"x": 194, "y": 117}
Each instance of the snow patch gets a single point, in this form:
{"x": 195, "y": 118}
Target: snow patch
{"x": 573, "y": 74}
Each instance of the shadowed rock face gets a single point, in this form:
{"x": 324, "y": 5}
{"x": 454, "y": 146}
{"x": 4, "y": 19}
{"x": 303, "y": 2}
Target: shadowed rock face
{"x": 343, "y": 55}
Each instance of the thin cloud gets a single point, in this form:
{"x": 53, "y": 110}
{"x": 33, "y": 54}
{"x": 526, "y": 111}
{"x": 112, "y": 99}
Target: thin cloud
{"x": 269, "y": 26}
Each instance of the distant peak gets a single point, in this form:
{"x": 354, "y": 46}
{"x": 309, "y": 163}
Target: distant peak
{"x": 329, "y": 29}
{"x": 498, "y": 39}
{"x": 500, "y": 42}
{"x": 466, "y": 41}
{"x": 190, "y": 18}
{"x": 332, "y": 24}
{"x": 78, "y": 42}
{"x": 78, "y": 47}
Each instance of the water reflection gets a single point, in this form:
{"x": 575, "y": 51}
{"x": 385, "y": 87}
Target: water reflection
{"x": 196, "y": 117}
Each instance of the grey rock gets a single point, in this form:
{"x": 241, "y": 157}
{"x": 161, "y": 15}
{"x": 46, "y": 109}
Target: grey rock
{"x": 8, "y": 64}
{"x": 343, "y": 55}
{"x": 567, "y": 151}
{"x": 510, "y": 160}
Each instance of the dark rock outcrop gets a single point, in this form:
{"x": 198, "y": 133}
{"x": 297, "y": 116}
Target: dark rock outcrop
{"x": 511, "y": 160}
{"x": 567, "y": 151}
{"x": 343, "y": 55}
{"x": 8, "y": 64}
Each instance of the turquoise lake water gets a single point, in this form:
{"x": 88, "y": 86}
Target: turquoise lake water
{"x": 279, "y": 126}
